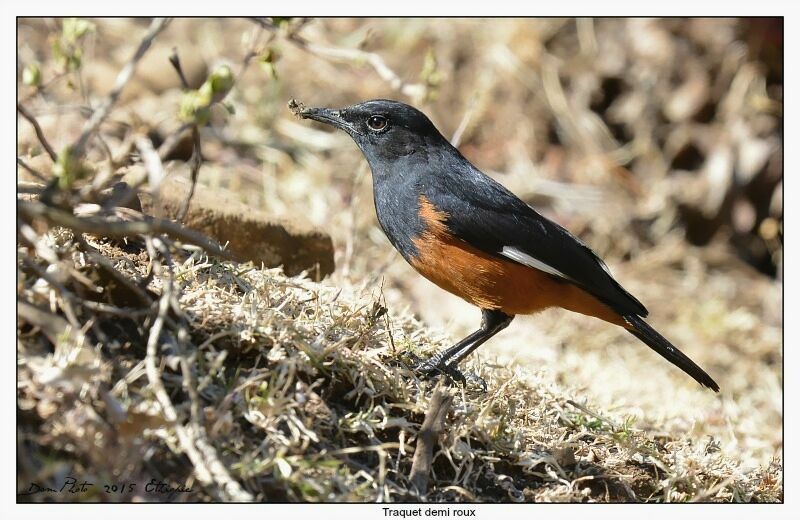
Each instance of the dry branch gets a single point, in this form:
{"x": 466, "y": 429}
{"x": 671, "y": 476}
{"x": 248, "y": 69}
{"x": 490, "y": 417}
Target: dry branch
{"x": 38, "y": 129}
{"x": 106, "y": 226}
{"x": 52, "y": 325}
{"x": 432, "y": 428}
{"x": 152, "y": 164}
{"x": 99, "y": 115}
{"x": 208, "y": 468}
{"x": 36, "y": 173}
{"x": 412, "y": 90}
{"x": 103, "y": 262}
{"x": 197, "y": 152}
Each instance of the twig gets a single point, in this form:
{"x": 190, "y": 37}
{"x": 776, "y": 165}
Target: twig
{"x": 412, "y": 90}
{"x": 208, "y": 468}
{"x": 99, "y": 115}
{"x": 125, "y": 312}
{"x": 171, "y": 142}
{"x": 600, "y": 418}
{"x": 175, "y": 60}
{"x": 189, "y": 383}
{"x": 106, "y": 264}
{"x": 109, "y": 227}
{"x": 28, "y": 236}
{"x": 67, "y": 297}
{"x": 29, "y": 187}
{"x": 154, "y": 376}
{"x": 197, "y": 150}
{"x": 462, "y": 126}
{"x": 197, "y": 153}
{"x": 197, "y": 162}
{"x": 36, "y": 173}
{"x": 41, "y": 89}
{"x": 103, "y": 177}
{"x": 432, "y": 427}
{"x": 252, "y": 52}
{"x": 38, "y": 129}
{"x": 52, "y": 325}
{"x": 152, "y": 164}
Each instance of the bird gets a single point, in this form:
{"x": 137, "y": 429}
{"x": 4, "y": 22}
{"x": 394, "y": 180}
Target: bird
{"x": 471, "y": 236}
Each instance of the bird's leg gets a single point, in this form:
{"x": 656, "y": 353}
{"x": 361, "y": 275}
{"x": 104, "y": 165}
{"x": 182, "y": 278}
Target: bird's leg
{"x": 492, "y": 323}
{"x": 439, "y": 360}
{"x": 446, "y": 361}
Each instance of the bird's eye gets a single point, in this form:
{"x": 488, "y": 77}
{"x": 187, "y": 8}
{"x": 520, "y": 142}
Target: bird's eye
{"x": 377, "y": 123}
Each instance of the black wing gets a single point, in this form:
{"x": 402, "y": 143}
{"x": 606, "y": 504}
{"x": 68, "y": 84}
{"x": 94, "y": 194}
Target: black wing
{"x": 486, "y": 215}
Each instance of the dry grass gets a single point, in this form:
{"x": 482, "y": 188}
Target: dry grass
{"x": 305, "y": 393}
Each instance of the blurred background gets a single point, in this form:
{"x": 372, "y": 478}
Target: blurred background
{"x": 657, "y": 141}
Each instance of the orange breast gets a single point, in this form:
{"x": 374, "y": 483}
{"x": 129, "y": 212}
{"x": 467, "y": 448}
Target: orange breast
{"x": 491, "y": 282}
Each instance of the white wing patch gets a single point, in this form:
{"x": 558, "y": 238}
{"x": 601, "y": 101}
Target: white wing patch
{"x": 605, "y": 267}
{"x": 526, "y": 259}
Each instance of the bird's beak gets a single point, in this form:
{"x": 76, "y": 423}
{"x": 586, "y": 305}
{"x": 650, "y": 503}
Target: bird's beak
{"x": 325, "y": 115}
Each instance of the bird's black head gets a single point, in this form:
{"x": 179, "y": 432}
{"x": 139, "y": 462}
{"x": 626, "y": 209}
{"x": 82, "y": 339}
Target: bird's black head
{"x": 385, "y": 130}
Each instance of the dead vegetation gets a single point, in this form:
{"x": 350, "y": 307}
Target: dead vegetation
{"x": 303, "y": 393}
{"x": 143, "y": 353}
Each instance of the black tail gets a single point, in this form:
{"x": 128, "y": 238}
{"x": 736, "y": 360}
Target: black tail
{"x": 670, "y": 352}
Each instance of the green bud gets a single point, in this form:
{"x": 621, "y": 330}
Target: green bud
{"x": 271, "y": 55}
{"x": 221, "y": 81}
{"x": 430, "y": 70}
{"x": 268, "y": 60}
{"x": 194, "y": 106}
{"x": 32, "y": 75}
{"x": 74, "y": 60}
{"x": 67, "y": 48}
{"x": 271, "y": 69}
{"x": 281, "y": 20}
{"x": 205, "y": 94}
{"x": 73, "y": 29}
{"x": 69, "y": 168}
{"x": 431, "y": 75}
{"x": 58, "y": 49}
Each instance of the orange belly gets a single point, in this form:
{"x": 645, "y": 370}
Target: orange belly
{"x": 490, "y": 282}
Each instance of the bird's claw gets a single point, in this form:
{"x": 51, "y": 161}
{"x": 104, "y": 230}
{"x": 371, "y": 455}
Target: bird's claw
{"x": 430, "y": 368}
{"x": 409, "y": 359}
{"x": 471, "y": 377}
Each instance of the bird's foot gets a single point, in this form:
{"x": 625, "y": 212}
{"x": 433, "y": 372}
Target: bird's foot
{"x": 432, "y": 367}
{"x": 429, "y": 369}
{"x": 408, "y": 359}
{"x": 474, "y": 379}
